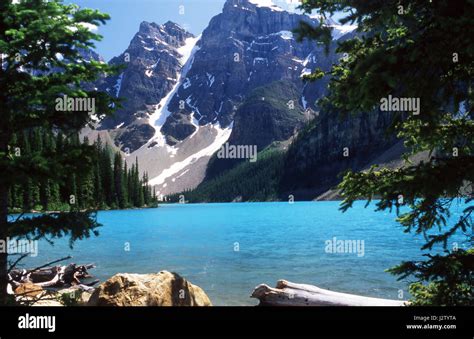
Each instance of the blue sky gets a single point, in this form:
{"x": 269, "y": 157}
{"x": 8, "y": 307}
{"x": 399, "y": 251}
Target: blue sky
{"x": 126, "y": 16}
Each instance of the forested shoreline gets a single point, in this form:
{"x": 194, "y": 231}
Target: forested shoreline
{"x": 247, "y": 181}
{"x": 108, "y": 183}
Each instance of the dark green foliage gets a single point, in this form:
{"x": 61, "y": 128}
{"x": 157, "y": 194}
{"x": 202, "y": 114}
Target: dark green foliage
{"x": 263, "y": 118}
{"x": 258, "y": 181}
{"x": 32, "y": 77}
{"x": 71, "y": 299}
{"x": 423, "y": 50}
{"x": 88, "y": 189}
{"x": 450, "y": 276}
{"x": 277, "y": 94}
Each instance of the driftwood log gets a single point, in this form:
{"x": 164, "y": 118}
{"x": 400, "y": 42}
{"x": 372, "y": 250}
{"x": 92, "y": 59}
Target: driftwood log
{"x": 290, "y": 294}
{"x": 53, "y": 277}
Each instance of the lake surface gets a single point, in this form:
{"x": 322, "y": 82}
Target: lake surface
{"x": 228, "y": 249}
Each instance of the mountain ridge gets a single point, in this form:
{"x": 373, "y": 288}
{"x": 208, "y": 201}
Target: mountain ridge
{"x": 185, "y": 96}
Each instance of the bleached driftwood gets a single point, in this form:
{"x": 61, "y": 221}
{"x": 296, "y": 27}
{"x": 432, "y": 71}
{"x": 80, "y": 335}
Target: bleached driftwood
{"x": 52, "y": 277}
{"x": 290, "y": 294}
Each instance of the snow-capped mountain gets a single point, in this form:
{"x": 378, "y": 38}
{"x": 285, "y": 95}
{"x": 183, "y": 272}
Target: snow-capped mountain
{"x": 152, "y": 65}
{"x": 185, "y": 96}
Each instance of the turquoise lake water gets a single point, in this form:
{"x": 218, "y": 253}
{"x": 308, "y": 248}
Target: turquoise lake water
{"x": 228, "y": 249}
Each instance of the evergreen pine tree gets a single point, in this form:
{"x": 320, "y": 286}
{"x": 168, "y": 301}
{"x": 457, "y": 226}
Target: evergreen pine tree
{"x": 415, "y": 50}
{"x": 27, "y": 101}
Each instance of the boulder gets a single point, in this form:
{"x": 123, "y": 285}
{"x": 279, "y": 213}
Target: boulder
{"x": 156, "y": 289}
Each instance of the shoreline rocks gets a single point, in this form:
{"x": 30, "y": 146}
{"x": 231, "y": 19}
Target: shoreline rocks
{"x": 123, "y": 289}
{"x": 155, "y": 289}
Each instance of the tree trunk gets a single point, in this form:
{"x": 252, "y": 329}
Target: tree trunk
{"x": 5, "y": 137}
{"x": 3, "y": 237}
{"x": 291, "y": 294}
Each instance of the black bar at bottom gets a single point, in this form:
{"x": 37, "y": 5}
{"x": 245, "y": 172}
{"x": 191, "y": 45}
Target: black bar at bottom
{"x": 382, "y": 322}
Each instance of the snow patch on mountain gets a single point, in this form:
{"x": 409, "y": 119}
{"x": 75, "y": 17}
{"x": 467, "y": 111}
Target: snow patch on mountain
{"x": 287, "y": 35}
{"x": 304, "y": 102}
{"x": 305, "y": 71}
{"x": 223, "y": 135}
{"x": 211, "y": 79}
{"x": 266, "y": 3}
{"x": 194, "y": 107}
{"x": 340, "y": 30}
{"x": 187, "y": 51}
{"x": 118, "y": 85}
{"x": 161, "y": 113}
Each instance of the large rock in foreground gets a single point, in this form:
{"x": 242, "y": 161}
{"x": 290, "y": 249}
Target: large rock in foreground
{"x": 156, "y": 289}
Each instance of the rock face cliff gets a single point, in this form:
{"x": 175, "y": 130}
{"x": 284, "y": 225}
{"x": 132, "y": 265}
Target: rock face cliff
{"x": 243, "y": 48}
{"x": 158, "y": 289}
{"x": 311, "y": 167}
{"x": 151, "y": 67}
{"x": 239, "y": 82}
{"x": 331, "y": 145}
{"x": 269, "y": 115}
{"x": 248, "y": 73}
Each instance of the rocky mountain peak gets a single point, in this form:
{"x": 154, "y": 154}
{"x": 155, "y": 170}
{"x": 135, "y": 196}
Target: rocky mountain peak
{"x": 170, "y": 33}
{"x": 152, "y": 65}
{"x": 256, "y": 17}
{"x": 239, "y": 82}
{"x": 173, "y": 28}
{"x": 248, "y": 45}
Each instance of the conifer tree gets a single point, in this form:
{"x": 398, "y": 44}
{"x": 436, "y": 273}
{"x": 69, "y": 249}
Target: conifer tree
{"x": 413, "y": 49}
{"x": 32, "y": 77}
